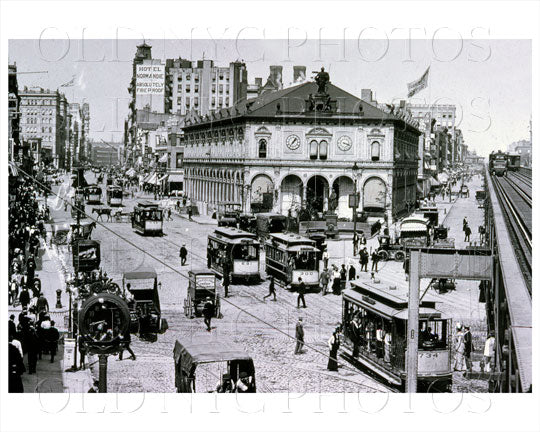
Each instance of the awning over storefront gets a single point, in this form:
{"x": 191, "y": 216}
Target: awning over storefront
{"x": 13, "y": 169}
{"x": 435, "y": 182}
{"x": 130, "y": 172}
{"x": 163, "y": 158}
{"x": 152, "y": 179}
{"x": 443, "y": 177}
{"x": 163, "y": 178}
{"x": 176, "y": 178}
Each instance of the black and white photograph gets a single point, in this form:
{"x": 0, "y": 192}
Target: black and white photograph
{"x": 223, "y": 212}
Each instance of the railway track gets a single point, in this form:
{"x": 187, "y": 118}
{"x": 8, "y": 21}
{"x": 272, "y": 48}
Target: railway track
{"x": 516, "y": 200}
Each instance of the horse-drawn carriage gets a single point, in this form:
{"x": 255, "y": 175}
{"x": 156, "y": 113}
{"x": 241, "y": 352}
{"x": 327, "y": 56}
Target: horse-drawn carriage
{"x": 202, "y": 285}
{"x": 141, "y": 288}
{"x": 64, "y": 233}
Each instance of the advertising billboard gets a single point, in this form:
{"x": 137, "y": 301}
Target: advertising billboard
{"x": 150, "y": 79}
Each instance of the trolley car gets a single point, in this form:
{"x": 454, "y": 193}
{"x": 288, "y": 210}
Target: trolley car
{"x": 235, "y": 250}
{"x": 414, "y": 229}
{"x": 290, "y": 256}
{"x": 114, "y": 196}
{"x": 374, "y": 321}
{"x": 147, "y": 219}
{"x": 93, "y": 194}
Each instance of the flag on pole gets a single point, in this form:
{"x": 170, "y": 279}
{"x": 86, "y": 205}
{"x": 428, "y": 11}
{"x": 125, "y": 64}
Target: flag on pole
{"x": 70, "y": 83}
{"x": 418, "y": 85}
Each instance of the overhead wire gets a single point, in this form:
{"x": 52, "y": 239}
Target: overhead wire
{"x": 243, "y": 310}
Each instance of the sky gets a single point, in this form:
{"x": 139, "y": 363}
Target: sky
{"x": 489, "y": 81}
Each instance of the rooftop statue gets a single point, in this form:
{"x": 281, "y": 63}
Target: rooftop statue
{"x": 322, "y": 79}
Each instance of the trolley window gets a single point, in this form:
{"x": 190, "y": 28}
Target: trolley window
{"x": 433, "y": 334}
{"x": 247, "y": 252}
{"x": 305, "y": 260}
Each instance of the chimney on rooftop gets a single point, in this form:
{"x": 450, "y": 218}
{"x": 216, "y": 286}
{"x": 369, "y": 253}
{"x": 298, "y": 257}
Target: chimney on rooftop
{"x": 276, "y": 73}
{"x": 299, "y": 74}
{"x": 258, "y": 82}
{"x": 366, "y": 95}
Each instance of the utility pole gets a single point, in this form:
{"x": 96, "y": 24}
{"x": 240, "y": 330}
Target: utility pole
{"x": 103, "y": 373}
{"x": 412, "y": 325}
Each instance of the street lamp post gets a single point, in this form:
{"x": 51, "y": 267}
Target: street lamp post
{"x": 355, "y": 206}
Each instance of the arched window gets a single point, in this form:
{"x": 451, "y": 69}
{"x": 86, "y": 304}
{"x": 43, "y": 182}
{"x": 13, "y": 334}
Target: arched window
{"x": 375, "y": 151}
{"x": 313, "y": 149}
{"x": 262, "y": 148}
{"x": 323, "y": 150}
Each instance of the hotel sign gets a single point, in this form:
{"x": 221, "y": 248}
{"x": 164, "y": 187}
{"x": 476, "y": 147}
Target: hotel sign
{"x": 150, "y": 80}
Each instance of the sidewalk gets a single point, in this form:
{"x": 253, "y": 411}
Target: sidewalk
{"x": 52, "y": 378}
{"x": 51, "y": 268}
{"x": 200, "y": 219}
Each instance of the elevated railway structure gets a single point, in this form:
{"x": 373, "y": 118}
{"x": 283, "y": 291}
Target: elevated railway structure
{"x": 508, "y": 222}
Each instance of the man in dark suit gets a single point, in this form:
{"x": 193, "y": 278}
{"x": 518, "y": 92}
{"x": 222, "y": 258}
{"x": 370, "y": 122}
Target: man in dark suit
{"x": 301, "y": 291}
{"x": 299, "y": 336}
{"x": 183, "y": 255}
{"x": 16, "y": 369}
{"x": 24, "y": 297}
{"x": 208, "y": 313}
{"x": 468, "y": 348}
{"x": 12, "y": 327}
{"x": 52, "y": 336}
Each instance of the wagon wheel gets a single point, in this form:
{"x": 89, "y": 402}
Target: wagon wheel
{"x": 383, "y": 255}
{"x": 399, "y": 256}
{"x": 113, "y": 287}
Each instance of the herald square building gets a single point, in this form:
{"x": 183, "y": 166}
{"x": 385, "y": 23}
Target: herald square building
{"x": 296, "y": 148}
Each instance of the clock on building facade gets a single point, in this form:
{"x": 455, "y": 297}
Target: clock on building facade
{"x": 293, "y": 142}
{"x": 344, "y": 143}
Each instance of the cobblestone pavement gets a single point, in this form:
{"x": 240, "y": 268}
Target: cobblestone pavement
{"x": 269, "y": 337}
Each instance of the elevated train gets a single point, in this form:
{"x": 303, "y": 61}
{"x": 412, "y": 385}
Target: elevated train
{"x": 500, "y": 163}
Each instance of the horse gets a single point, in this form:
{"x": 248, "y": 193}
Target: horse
{"x": 102, "y": 211}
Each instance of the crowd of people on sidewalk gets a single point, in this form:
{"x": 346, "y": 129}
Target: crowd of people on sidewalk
{"x": 32, "y": 336}
{"x": 34, "y": 333}
{"x": 26, "y": 227}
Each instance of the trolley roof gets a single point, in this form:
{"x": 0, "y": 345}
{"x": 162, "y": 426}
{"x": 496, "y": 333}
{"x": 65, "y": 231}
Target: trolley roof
{"x": 388, "y": 300}
{"x": 414, "y": 223}
{"x": 147, "y": 204}
{"x": 290, "y": 239}
{"x": 196, "y": 352}
{"x": 232, "y": 233}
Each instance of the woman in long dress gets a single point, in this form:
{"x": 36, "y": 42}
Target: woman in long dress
{"x": 459, "y": 345}
{"x": 333, "y": 344}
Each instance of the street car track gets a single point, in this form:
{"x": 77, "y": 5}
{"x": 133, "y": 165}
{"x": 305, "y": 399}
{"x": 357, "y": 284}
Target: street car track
{"x": 278, "y": 306}
{"x": 132, "y": 244}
